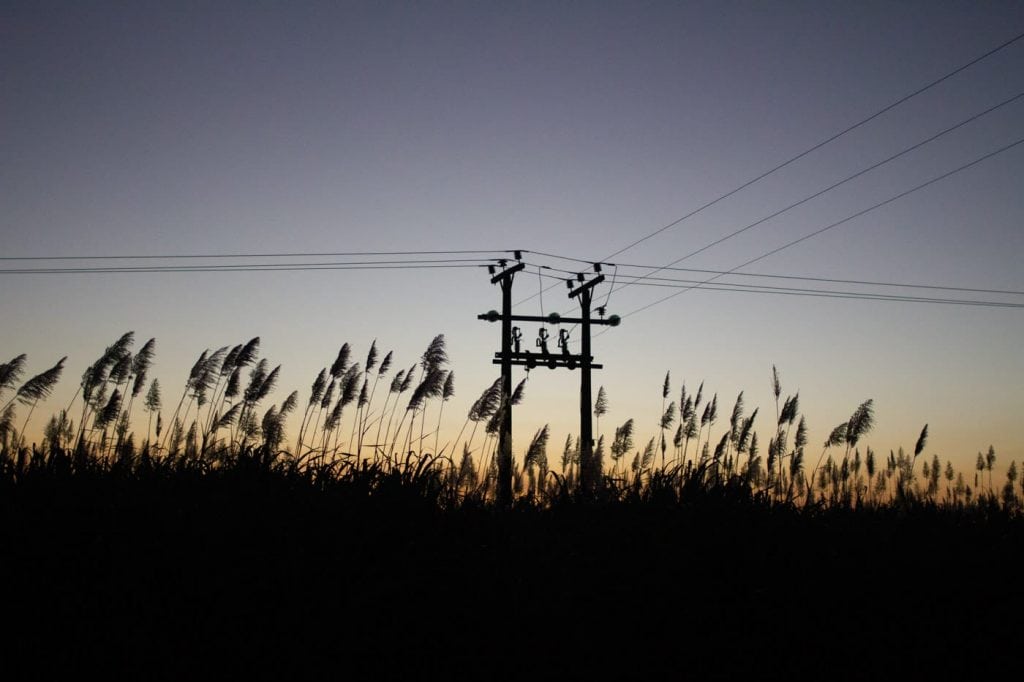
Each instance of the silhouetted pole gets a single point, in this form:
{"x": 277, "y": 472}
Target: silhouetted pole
{"x": 587, "y": 463}
{"x": 507, "y": 357}
{"x": 504, "y": 279}
{"x": 589, "y": 471}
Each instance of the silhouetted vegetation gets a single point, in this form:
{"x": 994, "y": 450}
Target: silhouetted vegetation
{"x": 364, "y": 547}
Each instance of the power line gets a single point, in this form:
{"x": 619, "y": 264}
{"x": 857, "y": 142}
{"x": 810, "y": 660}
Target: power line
{"x": 846, "y": 295}
{"x": 336, "y": 254}
{"x": 823, "y": 293}
{"x": 831, "y": 187}
{"x": 829, "y": 140}
{"x": 239, "y": 268}
{"x": 806, "y": 278}
{"x": 815, "y": 147}
{"x": 835, "y": 185}
{"x": 838, "y": 222}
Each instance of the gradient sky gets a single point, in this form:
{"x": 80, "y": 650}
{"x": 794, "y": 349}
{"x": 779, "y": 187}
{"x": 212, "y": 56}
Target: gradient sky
{"x": 567, "y": 127}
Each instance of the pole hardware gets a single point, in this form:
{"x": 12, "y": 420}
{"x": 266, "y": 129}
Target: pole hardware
{"x": 511, "y": 354}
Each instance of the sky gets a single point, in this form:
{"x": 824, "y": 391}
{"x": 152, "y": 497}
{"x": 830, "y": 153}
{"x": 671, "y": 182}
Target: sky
{"x": 566, "y": 128}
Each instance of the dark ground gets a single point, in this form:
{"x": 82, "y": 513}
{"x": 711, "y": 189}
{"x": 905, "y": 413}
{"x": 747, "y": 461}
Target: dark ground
{"x": 255, "y": 578}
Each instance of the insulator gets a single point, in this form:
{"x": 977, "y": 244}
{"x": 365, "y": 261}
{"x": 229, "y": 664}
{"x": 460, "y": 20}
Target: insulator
{"x": 542, "y": 340}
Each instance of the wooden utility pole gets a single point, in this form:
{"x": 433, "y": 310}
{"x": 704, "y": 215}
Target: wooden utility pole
{"x": 507, "y": 357}
{"x": 589, "y": 471}
{"x": 504, "y": 278}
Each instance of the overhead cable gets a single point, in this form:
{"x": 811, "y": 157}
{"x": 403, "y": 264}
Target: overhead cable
{"x": 819, "y": 231}
{"x": 816, "y": 147}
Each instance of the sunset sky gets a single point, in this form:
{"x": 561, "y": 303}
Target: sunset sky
{"x": 566, "y": 128}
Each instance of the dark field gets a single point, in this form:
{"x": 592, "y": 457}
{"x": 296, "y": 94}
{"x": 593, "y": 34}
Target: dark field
{"x": 247, "y": 572}
{"x": 217, "y": 549}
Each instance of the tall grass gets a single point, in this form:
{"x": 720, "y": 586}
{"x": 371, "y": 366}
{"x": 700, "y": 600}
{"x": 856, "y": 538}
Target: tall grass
{"x": 226, "y": 415}
{"x": 129, "y": 539}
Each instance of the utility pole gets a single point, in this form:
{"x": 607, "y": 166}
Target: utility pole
{"x": 512, "y": 354}
{"x": 504, "y": 279}
{"x": 589, "y": 472}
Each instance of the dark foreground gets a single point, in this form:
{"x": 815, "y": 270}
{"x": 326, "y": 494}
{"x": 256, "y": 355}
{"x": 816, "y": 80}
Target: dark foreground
{"x": 253, "y": 577}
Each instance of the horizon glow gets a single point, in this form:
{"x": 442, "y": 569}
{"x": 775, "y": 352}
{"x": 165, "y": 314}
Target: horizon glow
{"x": 568, "y": 129}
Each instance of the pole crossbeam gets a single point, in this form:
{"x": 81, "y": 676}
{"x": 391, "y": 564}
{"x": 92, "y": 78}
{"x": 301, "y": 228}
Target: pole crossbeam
{"x": 552, "y": 362}
{"x": 553, "y": 318}
{"x": 544, "y": 357}
{"x": 586, "y": 287}
{"x": 507, "y": 274}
